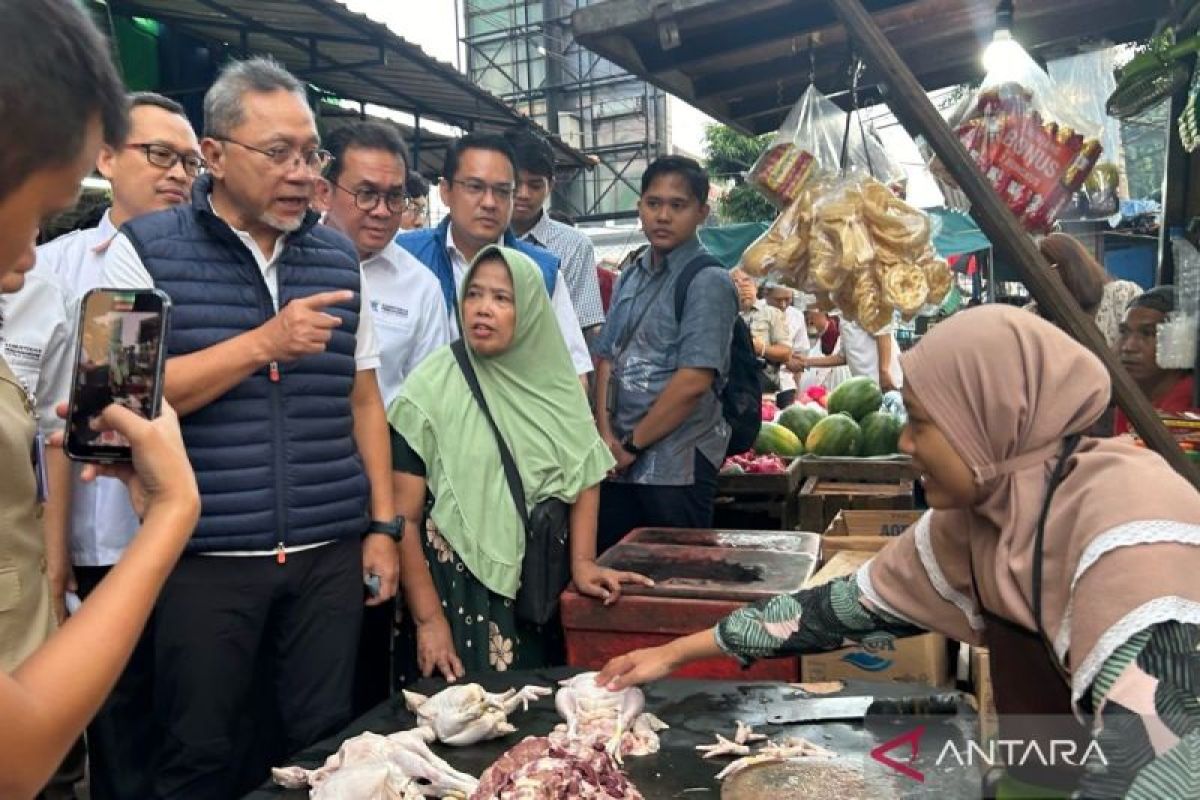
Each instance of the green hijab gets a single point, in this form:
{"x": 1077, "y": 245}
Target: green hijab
{"x": 539, "y": 406}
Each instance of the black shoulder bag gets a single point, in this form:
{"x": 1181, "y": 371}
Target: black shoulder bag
{"x": 546, "y": 567}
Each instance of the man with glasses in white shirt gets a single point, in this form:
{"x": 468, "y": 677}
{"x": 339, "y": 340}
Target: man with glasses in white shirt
{"x": 271, "y": 366}
{"x": 477, "y": 186}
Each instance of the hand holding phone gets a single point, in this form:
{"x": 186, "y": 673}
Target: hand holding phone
{"x": 120, "y": 356}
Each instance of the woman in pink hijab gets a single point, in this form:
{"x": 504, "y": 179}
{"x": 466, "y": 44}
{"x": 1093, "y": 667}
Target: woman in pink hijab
{"x": 1076, "y": 560}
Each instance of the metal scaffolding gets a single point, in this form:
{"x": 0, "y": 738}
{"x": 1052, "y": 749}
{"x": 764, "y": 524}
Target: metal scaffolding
{"x": 523, "y": 52}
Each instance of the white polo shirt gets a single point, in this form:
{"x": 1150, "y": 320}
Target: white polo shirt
{"x": 560, "y": 299}
{"x": 102, "y": 518}
{"x": 37, "y": 326}
{"x": 409, "y": 313}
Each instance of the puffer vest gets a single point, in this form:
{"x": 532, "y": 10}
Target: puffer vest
{"x": 275, "y": 456}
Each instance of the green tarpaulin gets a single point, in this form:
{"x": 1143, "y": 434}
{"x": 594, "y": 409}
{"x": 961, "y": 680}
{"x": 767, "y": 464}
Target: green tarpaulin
{"x": 728, "y": 242}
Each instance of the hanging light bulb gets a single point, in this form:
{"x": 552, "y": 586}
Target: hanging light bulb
{"x": 1004, "y": 52}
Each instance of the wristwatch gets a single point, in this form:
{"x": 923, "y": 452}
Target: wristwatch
{"x": 393, "y": 528}
{"x": 629, "y": 447}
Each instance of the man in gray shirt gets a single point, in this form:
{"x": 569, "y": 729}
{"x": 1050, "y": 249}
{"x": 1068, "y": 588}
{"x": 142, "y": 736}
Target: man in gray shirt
{"x": 658, "y": 377}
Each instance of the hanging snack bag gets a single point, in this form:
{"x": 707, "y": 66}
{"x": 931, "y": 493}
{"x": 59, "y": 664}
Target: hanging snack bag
{"x": 1035, "y": 147}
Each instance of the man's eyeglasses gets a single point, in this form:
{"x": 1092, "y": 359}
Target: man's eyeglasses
{"x": 159, "y": 155}
{"x": 476, "y": 189}
{"x": 367, "y": 199}
{"x": 283, "y": 155}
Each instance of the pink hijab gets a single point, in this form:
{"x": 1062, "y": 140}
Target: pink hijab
{"x": 1122, "y": 541}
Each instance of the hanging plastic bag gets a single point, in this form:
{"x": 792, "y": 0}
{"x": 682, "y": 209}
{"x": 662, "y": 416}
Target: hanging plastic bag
{"x": 1086, "y": 81}
{"x": 814, "y": 138}
{"x": 1035, "y": 145}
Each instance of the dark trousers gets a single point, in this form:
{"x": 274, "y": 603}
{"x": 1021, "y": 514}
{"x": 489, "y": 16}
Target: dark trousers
{"x": 122, "y": 736}
{"x": 625, "y": 506}
{"x": 373, "y": 674}
{"x": 223, "y": 621}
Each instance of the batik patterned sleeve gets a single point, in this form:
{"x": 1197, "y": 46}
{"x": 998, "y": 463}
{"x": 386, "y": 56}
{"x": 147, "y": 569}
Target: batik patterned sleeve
{"x": 813, "y": 620}
{"x": 1147, "y": 717}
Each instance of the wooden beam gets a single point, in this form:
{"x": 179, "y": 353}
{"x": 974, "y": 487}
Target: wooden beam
{"x": 913, "y": 108}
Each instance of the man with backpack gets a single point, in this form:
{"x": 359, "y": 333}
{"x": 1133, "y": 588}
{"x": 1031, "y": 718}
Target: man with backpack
{"x": 673, "y": 389}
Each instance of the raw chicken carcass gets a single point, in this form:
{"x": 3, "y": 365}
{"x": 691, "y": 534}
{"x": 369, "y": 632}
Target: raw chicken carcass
{"x": 593, "y": 711}
{"x": 373, "y": 767}
{"x": 540, "y": 768}
{"x": 464, "y": 715}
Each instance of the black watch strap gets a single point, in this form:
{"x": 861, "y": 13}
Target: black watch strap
{"x": 629, "y": 447}
{"x": 393, "y": 528}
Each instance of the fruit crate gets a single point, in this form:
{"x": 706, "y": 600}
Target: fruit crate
{"x": 757, "y": 500}
{"x": 875, "y": 469}
{"x": 821, "y": 499}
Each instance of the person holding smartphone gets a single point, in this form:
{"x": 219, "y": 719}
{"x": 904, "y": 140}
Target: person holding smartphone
{"x": 62, "y": 97}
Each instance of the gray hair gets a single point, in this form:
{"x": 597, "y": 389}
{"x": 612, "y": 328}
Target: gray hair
{"x": 223, "y": 102}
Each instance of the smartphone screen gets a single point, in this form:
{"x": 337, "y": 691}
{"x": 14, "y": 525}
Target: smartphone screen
{"x": 119, "y": 359}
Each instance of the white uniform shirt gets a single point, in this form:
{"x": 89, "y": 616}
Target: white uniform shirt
{"x": 409, "y": 314}
{"x": 564, "y": 311}
{"x": 102, "y": 518}
{"x": 799, "y": 330}
{"x": 123, "y": 269}
{"x": 37, "y": 326}
{"x": 862, "y": 355}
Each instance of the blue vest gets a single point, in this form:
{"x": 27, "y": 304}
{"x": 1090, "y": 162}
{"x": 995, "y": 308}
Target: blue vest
{"x": 428, "y": 245}
{"x": 275, "y": 460}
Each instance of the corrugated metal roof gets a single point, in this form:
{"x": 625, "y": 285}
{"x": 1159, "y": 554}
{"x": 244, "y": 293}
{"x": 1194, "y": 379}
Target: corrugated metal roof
{"x": 346, "y": 54}
{"x": 747, "y": 62}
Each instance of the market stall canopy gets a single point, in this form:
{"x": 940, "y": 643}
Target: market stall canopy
{"x": 747, "y": 62}
{"x": 347, "y": 55}
{"x": 955, "y": 233}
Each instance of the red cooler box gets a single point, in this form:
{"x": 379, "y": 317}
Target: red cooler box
{"x": 700, "y": 576}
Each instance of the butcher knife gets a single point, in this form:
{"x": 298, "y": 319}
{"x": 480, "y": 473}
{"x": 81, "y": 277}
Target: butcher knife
{"x": 825, "y": 709}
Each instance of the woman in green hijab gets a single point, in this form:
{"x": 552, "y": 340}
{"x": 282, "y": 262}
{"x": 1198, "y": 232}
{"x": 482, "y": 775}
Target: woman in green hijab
{"x": 460, "y": 574}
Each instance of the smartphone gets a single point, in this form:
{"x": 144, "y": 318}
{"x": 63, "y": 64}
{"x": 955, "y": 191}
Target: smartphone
{"x": 119, "y": 357}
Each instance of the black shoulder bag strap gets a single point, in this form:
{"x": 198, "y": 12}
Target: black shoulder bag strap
{"x": 1069, "y": 446}
{"x": 459, "y": 348}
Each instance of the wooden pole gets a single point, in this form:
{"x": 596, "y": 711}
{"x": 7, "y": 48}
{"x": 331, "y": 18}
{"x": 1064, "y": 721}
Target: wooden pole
{"x": 919, "y": 116}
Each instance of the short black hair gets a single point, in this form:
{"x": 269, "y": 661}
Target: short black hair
{"x": 57, "y": 75}
{"x": 1160, "y": 298}
{"x": 476, "y": 141}
{"x": 364, "y": 135}
{"x": 532, "y": 151}
{"x": 416, "y": 185}
{"x": 155, "y": 100}
{"x": 689, "y": 168}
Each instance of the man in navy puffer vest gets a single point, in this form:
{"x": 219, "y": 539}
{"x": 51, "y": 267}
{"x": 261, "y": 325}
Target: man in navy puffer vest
{"x": 272, "y": 369}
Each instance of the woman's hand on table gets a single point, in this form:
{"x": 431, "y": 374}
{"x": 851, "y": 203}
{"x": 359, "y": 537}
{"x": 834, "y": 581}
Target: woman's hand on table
{"x": 638, "y": 667}
{"x": 601, "y": 582}
{"x": 435, "y": 649}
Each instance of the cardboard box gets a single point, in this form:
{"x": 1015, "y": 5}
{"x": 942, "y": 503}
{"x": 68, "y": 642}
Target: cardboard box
{"x": 845, "y": 562}
{"x": 881, "y": 657}
{"x": 864, "y": 531}
{"x": 981, "y": 686}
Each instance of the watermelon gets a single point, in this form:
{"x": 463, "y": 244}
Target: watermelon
{"x": 776, "y": 440}
{"x": 800, "y": 419}
{"x": 836, "y": 435}
{"x": 880, "y": 434}
{"x": 856, "y": 397}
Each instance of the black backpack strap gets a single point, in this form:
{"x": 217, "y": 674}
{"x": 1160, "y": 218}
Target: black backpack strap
{"x": 684, "y": 281}
{"x": 459, "y": 348}
{"x": 1068, "y": 448}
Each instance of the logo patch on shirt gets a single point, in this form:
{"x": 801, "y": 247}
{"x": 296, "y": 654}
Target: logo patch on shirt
{"x": 388, "y": 312}
{"x": 21, "y": 356}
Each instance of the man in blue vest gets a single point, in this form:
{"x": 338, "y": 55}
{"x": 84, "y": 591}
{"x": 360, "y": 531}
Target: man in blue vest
{"x": 477, "y": 186}
{"x": 271, "y": 364}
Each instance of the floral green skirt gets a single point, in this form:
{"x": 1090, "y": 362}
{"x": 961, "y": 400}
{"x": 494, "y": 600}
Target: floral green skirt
{"x": 487, "y": 634}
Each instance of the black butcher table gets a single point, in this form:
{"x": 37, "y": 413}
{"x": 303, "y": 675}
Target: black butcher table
{"x": 696, "y": 710}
